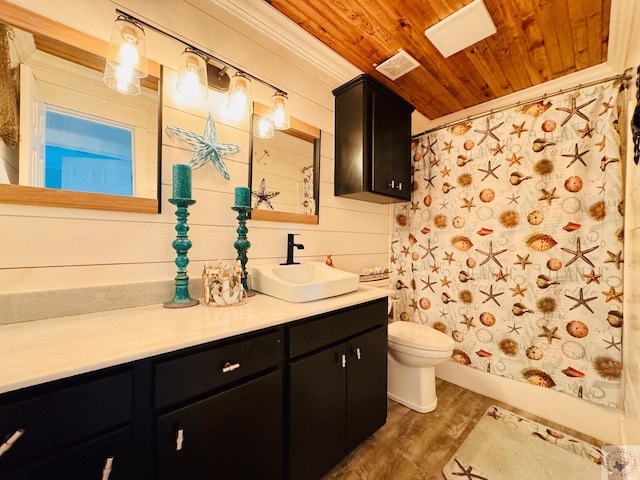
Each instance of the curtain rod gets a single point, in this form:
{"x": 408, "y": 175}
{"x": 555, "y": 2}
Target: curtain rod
{"x": 626, "y": 76}
{"x": 188, "y": 45}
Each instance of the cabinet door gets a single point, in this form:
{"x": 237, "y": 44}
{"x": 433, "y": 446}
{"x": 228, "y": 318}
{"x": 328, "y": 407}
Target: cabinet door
{"x": 366, "y": 385}
{"x": 106, "y": 458}
{"x": 317, "y": 413}
{"x": 391, "y": 146}
{"x": 236, "y": 434}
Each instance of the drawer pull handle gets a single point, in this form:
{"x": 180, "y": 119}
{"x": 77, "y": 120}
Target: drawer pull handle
{"x": 106, "y": 471}
{"x": 343, "y": 361}
{"x": 179, "y": 439}
{"x": 230, "y": 367}
{"x": 358, "y": 353}
{"x": 6, "y": 446}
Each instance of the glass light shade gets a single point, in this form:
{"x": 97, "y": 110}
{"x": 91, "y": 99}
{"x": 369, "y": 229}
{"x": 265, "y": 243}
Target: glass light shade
{"x": 239, "y": 99}
{"x": 192, "y": 75}
{"x": 263, "y": 127}
{"x": 128, "y": 47}
{"x": 280, "y": 116}
{"x": 121, "y": 79}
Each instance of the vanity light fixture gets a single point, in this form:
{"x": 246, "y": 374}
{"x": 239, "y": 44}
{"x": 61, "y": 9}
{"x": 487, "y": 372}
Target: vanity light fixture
{"x": 121, "y": 80}
{"x": 263, "y": 127}
{"x": 192, "y": 75}
{"x": 128, "y": 47}
{"x": 280, "y": 115}
{"x": 127, "y": 63}
{"x": 239, "y": 99}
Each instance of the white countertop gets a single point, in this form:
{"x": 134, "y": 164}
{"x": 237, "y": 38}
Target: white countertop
{"x": 40, "y": 351}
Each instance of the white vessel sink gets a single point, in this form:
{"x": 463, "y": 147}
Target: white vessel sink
{"x": 303, "y": 282}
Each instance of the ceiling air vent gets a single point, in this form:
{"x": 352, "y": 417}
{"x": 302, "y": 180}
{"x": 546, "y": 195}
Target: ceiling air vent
{"x": 396, "y": 66}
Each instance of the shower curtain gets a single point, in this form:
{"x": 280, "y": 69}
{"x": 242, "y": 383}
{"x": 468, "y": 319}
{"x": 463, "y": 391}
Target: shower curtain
{"x": 512, "y": 243}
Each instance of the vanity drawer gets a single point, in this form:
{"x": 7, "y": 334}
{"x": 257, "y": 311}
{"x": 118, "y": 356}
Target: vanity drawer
{"x": 182, "y": 378}
{"x": 60, "y": 418}
{"x": 319, "y": 332}
{"x": 108, "y": 456}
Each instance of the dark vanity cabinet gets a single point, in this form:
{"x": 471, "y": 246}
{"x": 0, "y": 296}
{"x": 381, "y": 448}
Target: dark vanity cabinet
{"x": 289, "y": 401}
{"x": 76, "y": 429}
{"x": 372, "y": 142}
{"x": 337, "y": 387}
{"x": 220, "y": 411}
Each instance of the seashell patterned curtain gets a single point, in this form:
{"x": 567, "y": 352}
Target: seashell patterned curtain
{"x": 512, "y": 244}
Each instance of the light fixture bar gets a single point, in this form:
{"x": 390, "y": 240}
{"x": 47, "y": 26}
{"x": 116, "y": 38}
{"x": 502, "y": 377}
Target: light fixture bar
{"x": 205, "y": 53}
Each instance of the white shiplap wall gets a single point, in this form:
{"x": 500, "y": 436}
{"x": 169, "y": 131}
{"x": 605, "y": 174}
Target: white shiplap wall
{"x": 55, "y": 248}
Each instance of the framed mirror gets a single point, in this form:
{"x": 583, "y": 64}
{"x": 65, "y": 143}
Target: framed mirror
{"x": 284, "y": 173}
{"x": 80, "y": 144}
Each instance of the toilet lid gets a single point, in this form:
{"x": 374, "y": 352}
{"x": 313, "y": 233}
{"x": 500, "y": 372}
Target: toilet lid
{"x": 419, "y": 336}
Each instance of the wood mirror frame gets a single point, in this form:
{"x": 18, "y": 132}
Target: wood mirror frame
{"x": 62, "y": 39}
{"x": 308, "y": 133}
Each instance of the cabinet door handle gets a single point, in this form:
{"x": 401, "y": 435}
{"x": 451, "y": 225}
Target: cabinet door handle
{"x": 343, "y": 361}
{"x": 358, "y": 353}
{"x": 106, "y": 471}
{"x": 179, "y": 439}
{"x": 230, "y": 367}
{"x": 6, "y": 446}
{"x": 392, "y": 184}
{"x": 400, "y": 186}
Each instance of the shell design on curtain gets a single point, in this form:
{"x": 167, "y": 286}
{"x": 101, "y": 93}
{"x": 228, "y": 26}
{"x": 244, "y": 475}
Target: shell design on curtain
{"x": 512, "y": 244}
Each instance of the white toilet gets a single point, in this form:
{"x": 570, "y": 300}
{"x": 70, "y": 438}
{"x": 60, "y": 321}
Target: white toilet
{"x": 414, "y": 351}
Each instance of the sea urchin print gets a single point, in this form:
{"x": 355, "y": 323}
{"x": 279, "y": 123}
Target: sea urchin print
{"x": 509, "y": 346}
{"x": 510, "y": 218}
{"x": 546, "y": 305}
{"x": 543, "y": 167}
{"x": 607, "y": 367}
{"x": 466, "y": 296}
{"x": 598, "y": 211}
{"x": 465, "y": 180}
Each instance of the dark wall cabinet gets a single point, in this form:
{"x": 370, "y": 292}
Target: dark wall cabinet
{"x": 285, "y": 402}
{"x": 372, "y": 142}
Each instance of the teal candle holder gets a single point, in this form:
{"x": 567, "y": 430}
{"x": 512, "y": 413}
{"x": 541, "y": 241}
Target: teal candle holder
{"x": 181, "y": 244}
{"x": 242, "y": 244}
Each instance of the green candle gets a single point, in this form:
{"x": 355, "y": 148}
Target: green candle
{"x": 242, "y": 197}
{"x": 181, "y": 181}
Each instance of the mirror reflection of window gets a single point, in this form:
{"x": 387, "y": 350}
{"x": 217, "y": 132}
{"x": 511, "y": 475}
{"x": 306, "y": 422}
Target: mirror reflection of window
{"x": 87, "y": 154}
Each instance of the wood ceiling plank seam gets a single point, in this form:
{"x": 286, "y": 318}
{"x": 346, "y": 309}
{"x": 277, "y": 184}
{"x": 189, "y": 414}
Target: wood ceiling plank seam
{"x": 509, "y": 14}
{"x": 545, "y": 17}
{"x": 309, "y": 15}
{"x": 605, "y": 13}
{"x": 431, "y": 89}
{"x": 489, "y": 68}
{"x": 510, "y": 61}
{"x": 580, "y": 33}
{"x": 564, "y": 19}
{"x": 591, "y": 12}
{"x": 525, "y": 12}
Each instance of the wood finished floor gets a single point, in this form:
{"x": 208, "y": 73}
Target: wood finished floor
{"x": 414, "y": 446}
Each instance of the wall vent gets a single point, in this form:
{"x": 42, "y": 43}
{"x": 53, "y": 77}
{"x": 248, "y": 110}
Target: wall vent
{"x": 398, "y": 65}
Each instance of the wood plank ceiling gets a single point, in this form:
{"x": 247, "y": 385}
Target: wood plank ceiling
{"x": 536, "y": 41}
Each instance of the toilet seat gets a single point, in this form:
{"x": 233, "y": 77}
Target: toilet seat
{"x": 420, "y": 337}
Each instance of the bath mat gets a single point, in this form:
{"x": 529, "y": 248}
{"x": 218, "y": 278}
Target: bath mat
{"x": 506, "y": 446}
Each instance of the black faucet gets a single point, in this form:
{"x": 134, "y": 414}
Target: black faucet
{"x": 290, "y": 245}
